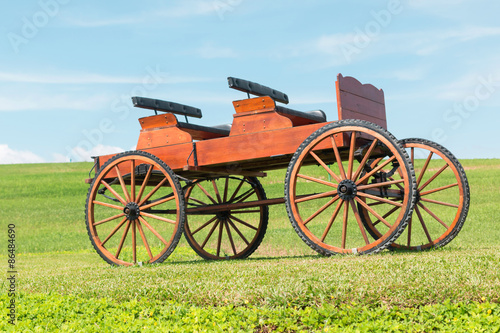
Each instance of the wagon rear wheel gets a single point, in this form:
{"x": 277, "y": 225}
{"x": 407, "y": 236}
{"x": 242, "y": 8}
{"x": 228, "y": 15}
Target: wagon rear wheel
{"x": 230, "y": 231}
{"x": 135, "y": 210}
{"x": 330, "y": 174}
{"x": 442, "y": 198}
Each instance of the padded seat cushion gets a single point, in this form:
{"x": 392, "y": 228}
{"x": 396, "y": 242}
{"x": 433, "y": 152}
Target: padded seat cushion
{"x": 316, "y": 116}
{"x": 222, "y": 130}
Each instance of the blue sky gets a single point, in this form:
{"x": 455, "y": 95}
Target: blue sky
{"x": 68, "y": 68}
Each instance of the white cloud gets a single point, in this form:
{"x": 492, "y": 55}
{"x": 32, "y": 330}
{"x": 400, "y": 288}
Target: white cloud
{"x": 11, "y": 156}
{"x": 155, "y": 75}
{"x": 36, "y": 101}
{"x": 79, "y": 154}
{"x": 210, "y": 51}
{"x": 343, "y": 48}
{"x": 181, "y": 10}
{"x": 433, "y": 3}
{"x": 485, "y": 87}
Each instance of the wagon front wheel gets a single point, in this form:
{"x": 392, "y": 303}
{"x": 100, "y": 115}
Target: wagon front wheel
{"x": 331, "y": 174}
{"x": 135, "y": 210}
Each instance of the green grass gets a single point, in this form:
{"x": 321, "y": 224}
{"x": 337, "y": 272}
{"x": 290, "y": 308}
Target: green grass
{"x": 63, "y": 283}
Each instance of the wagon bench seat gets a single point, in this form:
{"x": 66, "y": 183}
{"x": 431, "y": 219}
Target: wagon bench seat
{"x": 203, "y": 131}
{"x": 316, "y": 116}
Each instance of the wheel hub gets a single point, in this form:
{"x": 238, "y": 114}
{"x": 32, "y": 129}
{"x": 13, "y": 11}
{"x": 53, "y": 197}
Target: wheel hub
{"x": 347, "y": 189}
{"x": 223, "y": 215}
{"x": 132, "y": 211}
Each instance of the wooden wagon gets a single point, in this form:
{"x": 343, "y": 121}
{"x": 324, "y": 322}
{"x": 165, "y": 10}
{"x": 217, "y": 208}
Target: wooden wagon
{"x": 350, "y": 186}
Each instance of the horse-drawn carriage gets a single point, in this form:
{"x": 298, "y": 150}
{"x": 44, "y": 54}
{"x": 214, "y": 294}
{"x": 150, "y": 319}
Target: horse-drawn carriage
{"x": 350, "y": 186}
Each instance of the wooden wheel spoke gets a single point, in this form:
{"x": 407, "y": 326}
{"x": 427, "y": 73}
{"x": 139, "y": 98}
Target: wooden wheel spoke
{"x": 330, "y": 222}
{"x": 153, "y": 191}
{"x": 242, "y": 222}
{"x": 226, "y": 224}
{"x": 247, "y": 195}
{"x": 219, "y": 199}
{"x": 369, "y": 174}
{"x": 433, "y": 177}
{"x": 114, "y": 231}
{"x": 337, "y": 157}
{"x": 439, "y": 202}
{"x": 206, "y": 193}
{"x": 373, "y": 212}
{"x": 238, "y": 231}
{"x": 401, "y": 180}
{"x": 120, "y": 246}
{"x": 386, "y": 215}
{"x": 316, "y": 196}
{"x": 322, "y": 209}
{"x": 350, "y": 165}
{"x": 408, "y": 244}
{"x": 156, "y": 217}
{"x": 433, "y": 215}
{"x": 423, "y": 224}
{"x": 210, "y": 233}
{"x": 144, "y": 183}
{"x": 132, "y": 181}
{"x": 226, "y": 188}
{"x": 323, "y": 164}
{"x": 424, "y": 168}
{"x": 344, "y": 223}
{"x": 378, "y": 203}
{"x": 374, "y": 197}
{"x": 159, "y": 202}
{"x": 122, "y": 184}
{"x": 105, "y": 204}
{"x": 198, "y": 201}
{"x": 109, "y": 219}
{"x": 316, "y": 180}
{"x": 219, "y": 240}
{"x": 144, "y": 240}
{"x": 147, "y": 225}
{"x": 442, "y": 188}
{"x": 117, "y": 196}
{"x": 204, "y": 225}
{"x": 134, "y": 243}
{"x": 360, "y": 223}
{"x": 364, "y": 160}
{"x": 364, "y": 187}
{"x": 412, "y": 155}
{"x": 237, "y": 190}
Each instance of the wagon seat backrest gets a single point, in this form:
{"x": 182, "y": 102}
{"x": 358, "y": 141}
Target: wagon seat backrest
{"x": 298, "y": 118}
{"x": 360, "y": 101}
{"x": 197, "y": 132}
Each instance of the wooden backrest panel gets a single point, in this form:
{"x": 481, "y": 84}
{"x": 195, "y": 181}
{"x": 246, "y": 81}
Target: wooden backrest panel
{"x": 360, "y": 101}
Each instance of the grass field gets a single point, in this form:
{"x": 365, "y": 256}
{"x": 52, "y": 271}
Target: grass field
{"x": 285, "y": 286}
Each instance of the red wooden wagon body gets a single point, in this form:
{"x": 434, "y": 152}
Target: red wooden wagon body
{"x": 350, "y": 186}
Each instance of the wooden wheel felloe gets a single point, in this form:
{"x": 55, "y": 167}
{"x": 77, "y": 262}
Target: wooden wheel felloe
{"x": 225, "y": 220}
{"x": 442, "y": 198}
{"x": 330, "y": 174}
{"x": 135, "y": 210}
